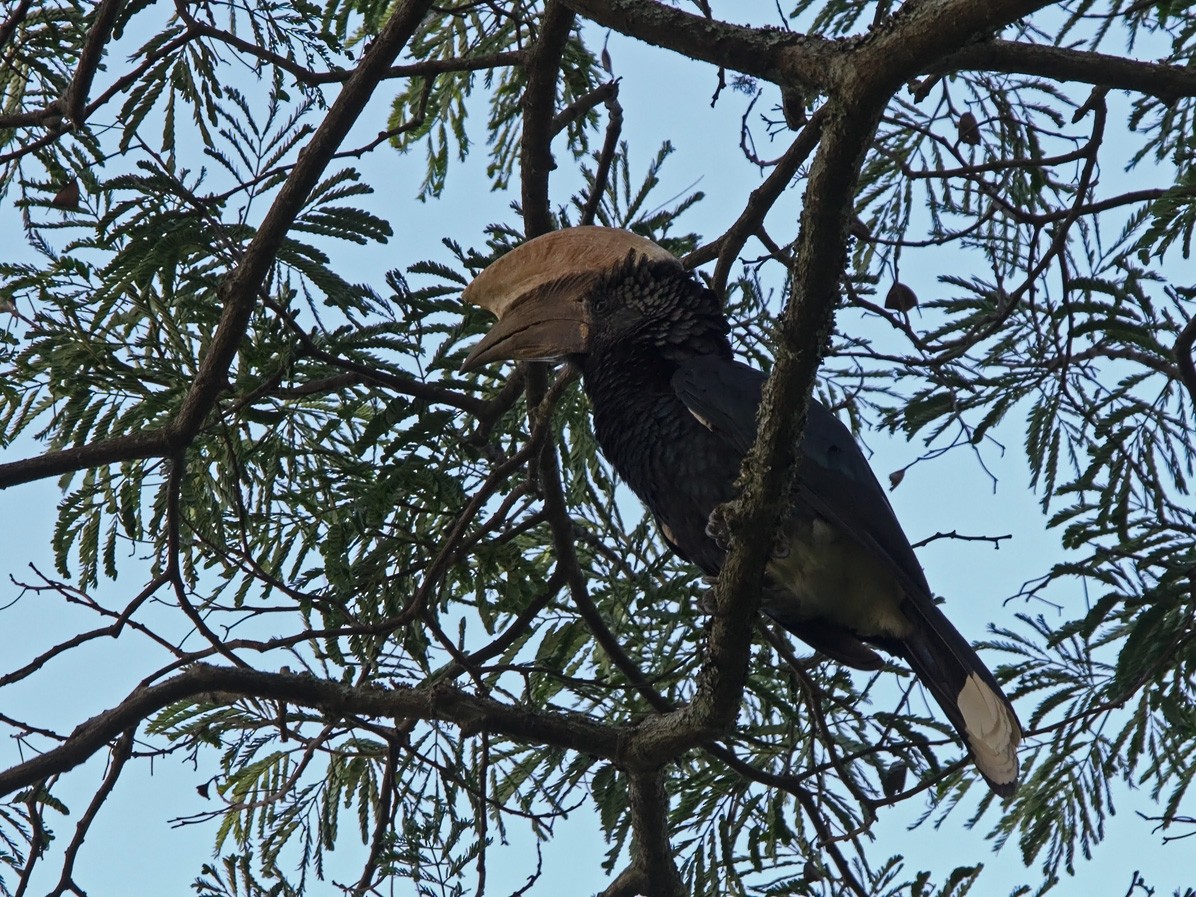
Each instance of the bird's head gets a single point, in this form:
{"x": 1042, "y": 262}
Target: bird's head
{"x": 572, "y": 292}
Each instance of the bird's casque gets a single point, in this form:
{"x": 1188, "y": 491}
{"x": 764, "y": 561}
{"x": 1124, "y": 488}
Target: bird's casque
{"x": 675, "y": 414}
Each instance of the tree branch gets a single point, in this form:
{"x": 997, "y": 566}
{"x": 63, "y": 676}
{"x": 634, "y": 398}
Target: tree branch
{"x": 445, "y": 703}
{"x": 651, "y": 852}
{"x": 89, "y": 59}
{"x": 1183, "y": 357}
{"x": 782, "y": 57}
{"x": 539, "y": 103}
{"x": 13, "y": 22}
{"x": 606, "y": 158}
{"x": 762, "y": 199}
{"x": 583, "y": 105}
{"x": 1167, "y": 82}
{"x": 311, "y": 78}
{"x": 121, "y": 751}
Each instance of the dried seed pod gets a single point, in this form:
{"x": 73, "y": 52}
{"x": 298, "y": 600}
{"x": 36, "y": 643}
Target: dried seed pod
{"x": 969, "y": 129}
{"x": 67, "y": 197}
{"x": 900, "y": 297}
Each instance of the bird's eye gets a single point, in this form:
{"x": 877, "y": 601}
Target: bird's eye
{"x": 599, "y": 303}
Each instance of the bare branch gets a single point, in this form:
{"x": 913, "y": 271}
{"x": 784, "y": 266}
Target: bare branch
{"x": 614, "y": 127}
{"x": 782, "y": 57}
{"x": 539, "y": 101}
{"x": 89, "y": 58}
{"x": 583, "y": 105}
{"x": 760, "y": 202}
{"x": 1167, "y": 82}
{"x": 121, "y": 751}
{"x": 223, "y": 684}
{"x": 651, "y": 852}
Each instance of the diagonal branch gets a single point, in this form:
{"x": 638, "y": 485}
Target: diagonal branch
{"x": 539, "y": 105}
{"x": 90, "y": 58}
{"x": 9, "y": 26}
{"x": 122, "y": 750}
{"x": 473, "y": 714}
{"x": 584, "y": 105}
{"x": 762, "y": 199}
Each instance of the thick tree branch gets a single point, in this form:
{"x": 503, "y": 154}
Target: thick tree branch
{"x": 216, "y": 685}
{"x": 787, "y": 58}
{"x": 133, "y": 447}
{"x": 918, "y": 36}
{"x": 782, "y": 57}
{"x": 651, "y": 852}
{"x": 1167, "y": 82}
{"x": 913, "y": 40}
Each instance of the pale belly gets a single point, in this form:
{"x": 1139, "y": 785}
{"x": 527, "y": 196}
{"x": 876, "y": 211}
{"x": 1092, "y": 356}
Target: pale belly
{"x": 829, "y": 577}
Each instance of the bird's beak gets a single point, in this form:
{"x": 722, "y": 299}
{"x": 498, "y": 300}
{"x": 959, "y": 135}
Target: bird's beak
{"x": 538, "y": 292}
{"x": 538, "y": 327}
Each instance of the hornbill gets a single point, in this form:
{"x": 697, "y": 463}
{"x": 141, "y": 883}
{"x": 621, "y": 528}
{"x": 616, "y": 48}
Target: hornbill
{"x": 675, "y": 414}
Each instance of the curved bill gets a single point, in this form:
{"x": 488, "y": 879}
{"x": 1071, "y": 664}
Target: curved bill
{"x": 537, "y": 329}
{"x": 537, "y": 291}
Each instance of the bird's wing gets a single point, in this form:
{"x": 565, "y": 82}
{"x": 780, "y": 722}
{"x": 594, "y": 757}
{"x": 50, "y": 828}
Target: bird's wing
{"x": 835, "y": 482}
{"x": 834, "y": 478}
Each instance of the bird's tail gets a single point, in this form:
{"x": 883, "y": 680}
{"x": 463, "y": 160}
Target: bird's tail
{"x": 966, "y": 690}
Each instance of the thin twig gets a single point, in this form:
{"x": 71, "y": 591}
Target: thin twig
{"x": 614, "y": 127}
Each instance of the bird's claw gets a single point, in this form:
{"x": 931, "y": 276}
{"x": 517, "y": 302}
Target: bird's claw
{"x": 781, "y": 546}
{"x": 716, "y": 529}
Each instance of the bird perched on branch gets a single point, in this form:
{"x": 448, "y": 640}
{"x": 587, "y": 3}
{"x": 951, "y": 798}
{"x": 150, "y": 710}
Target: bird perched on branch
{"x": 675, "y": 414}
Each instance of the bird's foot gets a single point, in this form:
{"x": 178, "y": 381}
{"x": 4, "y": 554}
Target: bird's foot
{"x": 716, "y": 528}
{"x": 781, "y": 547}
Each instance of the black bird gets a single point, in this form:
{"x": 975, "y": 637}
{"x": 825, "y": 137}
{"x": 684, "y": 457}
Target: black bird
{"x": 675, "y": 413}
